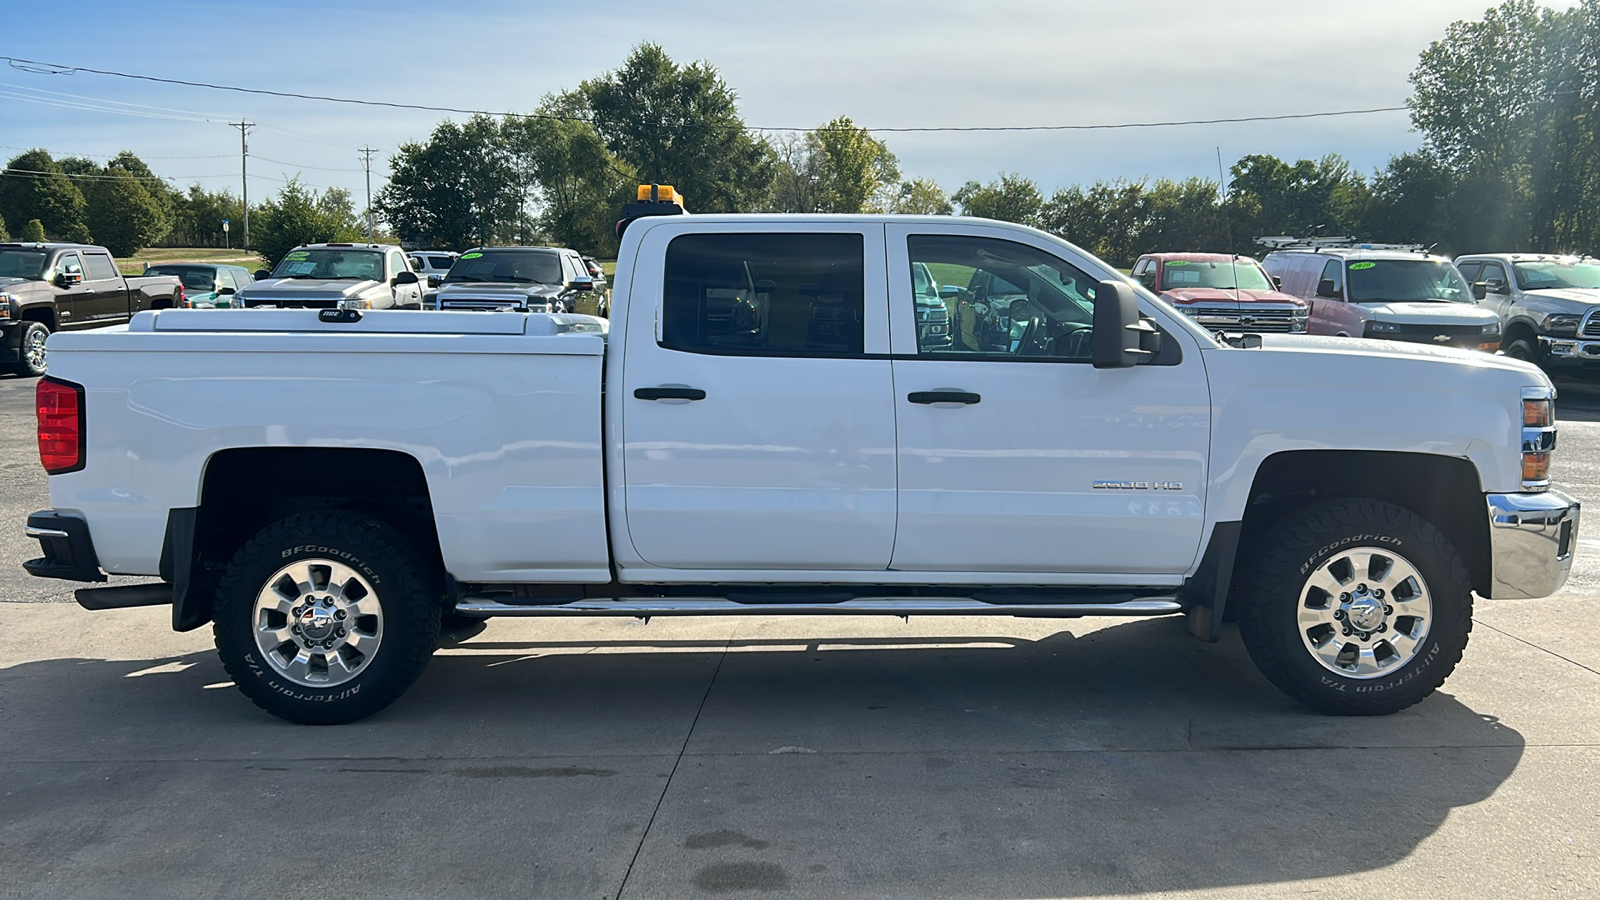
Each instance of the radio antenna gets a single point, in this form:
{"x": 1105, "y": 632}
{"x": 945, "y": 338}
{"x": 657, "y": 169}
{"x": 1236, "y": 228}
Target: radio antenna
{"x": 1227, "y": 225}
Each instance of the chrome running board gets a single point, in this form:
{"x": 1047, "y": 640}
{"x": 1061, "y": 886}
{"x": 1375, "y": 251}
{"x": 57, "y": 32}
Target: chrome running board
{"x": 873, "y": 606}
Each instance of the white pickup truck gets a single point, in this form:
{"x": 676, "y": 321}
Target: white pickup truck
{"x": 762, "y": 432}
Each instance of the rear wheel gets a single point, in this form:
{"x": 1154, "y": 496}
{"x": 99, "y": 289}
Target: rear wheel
{"x": 326, "y": 618}
{"x": 1360, "y": 608}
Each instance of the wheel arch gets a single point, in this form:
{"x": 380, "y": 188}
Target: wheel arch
{"x": 243, "y": 490}
{"x": 1444, "y": 490}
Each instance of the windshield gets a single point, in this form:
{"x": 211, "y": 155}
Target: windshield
{"x": 1405, "y": 280}
{"x": 331, "y": 263}
{"x": 1539, "y": 276}
{"x": 16, "y": 263}
{"x": 1182, "y": 273}
{"x": 511, "y": 266}
{"x": 193, "y": 278}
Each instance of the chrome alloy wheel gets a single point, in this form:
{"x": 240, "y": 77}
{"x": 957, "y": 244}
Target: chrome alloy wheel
{"x": 318, "y": 622}
{"x": 33, "y": 352}
{"x": 1364, "y": 613}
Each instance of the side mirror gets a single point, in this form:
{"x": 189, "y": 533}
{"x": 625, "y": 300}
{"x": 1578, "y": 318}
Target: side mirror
{"x": 766, "y": 286}
{"x": 1325, "y": 288}
{"x": 262, "y": 274}
{"x": 405, "y": 278}
{"x": 68, "y": 279}
{"x": 433, "y": 281}
{"x": 226, "y": 292}
{"x": 1479, "y": 290}
{"x": 1499, "y": 287}
{"x": 1277, "y": 283}
{"x": 581, "y": 284}
{"x": 1121, "y": 338}
{"x": 949, "y": 290}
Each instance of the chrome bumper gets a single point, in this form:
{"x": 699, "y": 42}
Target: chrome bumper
{"x": 1531, "y": 539}
{"x": 1570, "y": 348}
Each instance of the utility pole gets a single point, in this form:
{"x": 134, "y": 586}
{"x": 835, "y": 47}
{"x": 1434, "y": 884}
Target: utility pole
{"x": 366, "y": 163}
{"x": 244, "y": 173}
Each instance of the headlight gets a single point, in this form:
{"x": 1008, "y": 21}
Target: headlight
{"x": 1383, "y": 327}
{"x": 5, "y": 305}
{"x": 355, "y": 304}
{"x": 1561, "y": 323}
{"x": 1492, "y": 327}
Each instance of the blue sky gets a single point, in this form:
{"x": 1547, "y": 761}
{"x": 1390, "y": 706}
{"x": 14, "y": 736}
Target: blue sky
{"x": 798, "y": 64}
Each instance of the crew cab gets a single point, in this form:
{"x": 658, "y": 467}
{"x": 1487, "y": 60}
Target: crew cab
{"x": 336, "y": 276}
{"x": 1547, "y": 304}
{"x": 514, "y": 279}
{"x": 52, "y": 287}
{"x": 332, "y": 489}
{"x": 1384, "y": 291}
{"x": 1221, "y": 292}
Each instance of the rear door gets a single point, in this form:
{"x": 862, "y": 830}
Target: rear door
{"x": 1020, "y": 456}
{"x": 106, "y": 299}
{"x": 757, "y": 409}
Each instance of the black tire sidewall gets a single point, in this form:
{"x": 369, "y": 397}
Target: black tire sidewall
{"x": 1521, "y": 349}
{"x": 410, "y": 616}
{"x": 1269, "y": 625}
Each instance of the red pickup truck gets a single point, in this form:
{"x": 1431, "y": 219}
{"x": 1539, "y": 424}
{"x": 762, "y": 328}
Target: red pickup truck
{"x": 51, "y": 287}
{"x": 1221, "y": 292}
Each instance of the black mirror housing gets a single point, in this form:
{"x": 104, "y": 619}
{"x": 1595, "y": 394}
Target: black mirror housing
{"x": 226, "y": 291}
{"x": 581, "y": 284}
{"x": 405, "y": 278}
{"x": 1325, "y": 288}
{"x": 1479, "y": 290}
{"x": 261, "y": 274}
{"x": 1122, "y": 339}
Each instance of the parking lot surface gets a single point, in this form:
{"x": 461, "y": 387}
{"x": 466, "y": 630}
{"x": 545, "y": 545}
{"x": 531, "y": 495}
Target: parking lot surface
{"x": 807, "y": 757}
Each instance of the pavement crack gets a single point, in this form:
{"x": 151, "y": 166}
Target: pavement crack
{"x": 682, "y": 751}
{"x": 1535, "y": 646}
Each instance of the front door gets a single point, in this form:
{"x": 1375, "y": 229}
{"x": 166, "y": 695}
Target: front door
{"x": 1016, "y": 455}
{"x": 757, "y": 407}
{"x": 74, "y": 299}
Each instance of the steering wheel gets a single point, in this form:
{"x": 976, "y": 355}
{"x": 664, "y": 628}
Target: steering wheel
{"x": 1075, "y": 344}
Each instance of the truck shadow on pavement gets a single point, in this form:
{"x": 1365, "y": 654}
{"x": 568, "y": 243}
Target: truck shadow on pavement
{"x": 1128, "y": 759}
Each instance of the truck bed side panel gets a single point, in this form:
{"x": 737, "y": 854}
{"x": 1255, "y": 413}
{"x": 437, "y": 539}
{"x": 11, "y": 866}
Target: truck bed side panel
{"x": 506, "y": 429}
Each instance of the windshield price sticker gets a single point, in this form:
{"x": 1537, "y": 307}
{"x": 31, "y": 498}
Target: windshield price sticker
{"x": 471, "y": 255}
{"x": 1356, "y": 267}
{"x": 1178, "y": 262}
{"x": 300, "y": 268}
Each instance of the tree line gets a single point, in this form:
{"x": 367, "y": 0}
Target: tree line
{"x": 1508, "y": 107}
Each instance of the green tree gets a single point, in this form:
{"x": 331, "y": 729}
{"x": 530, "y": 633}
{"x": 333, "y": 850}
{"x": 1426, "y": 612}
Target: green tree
{"x": 921, "y": 197}
{"x": 1011, "y": 198}
{"x": 680, "y": 125}
{"x": 197, "y": 218}
{"x": 1411, "y": 200}
{"x": 457, "y": 189}
{"x": 32, "y": 232}
{"x": 34, "y": 186}
{"x": 1269, "y": 196}
{"x": 4, "y": 234}
{"x": 122, "y": 215}
{"x": 300, "y": 215}
{"x": 856, "y": 170}
{"x": 578, "y": 183}
{"x": 1104, "y": 219}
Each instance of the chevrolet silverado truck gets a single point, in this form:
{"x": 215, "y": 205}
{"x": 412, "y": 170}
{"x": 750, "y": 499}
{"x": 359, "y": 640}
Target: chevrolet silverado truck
{"x": 1549, "y": 306}
{"x": 515, "y": 279}
{"x": 336, "y": 276}
{"x": 1221, "y": 292}
{"x": 55, "y": 287}
{"x": 330, "y": 489}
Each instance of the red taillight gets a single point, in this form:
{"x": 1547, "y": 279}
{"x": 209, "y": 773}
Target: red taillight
{"x": 183, "y": 298}
{"x": 60, "y": 405}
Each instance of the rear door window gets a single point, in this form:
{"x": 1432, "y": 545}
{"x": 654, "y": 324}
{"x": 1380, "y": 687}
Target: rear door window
{"x": 765, "y": 294}
{"x": 101, "y": 268}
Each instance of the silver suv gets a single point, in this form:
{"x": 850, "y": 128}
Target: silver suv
{"x": 1549, "y": 306}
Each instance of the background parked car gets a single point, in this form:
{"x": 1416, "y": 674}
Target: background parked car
{"x": 1549, "y": 306}
{"x": 523, "y": 279}
{"x": 432, "y": 265}
{"x": 1384, "y": 291}
{"x": 206, "y": 285}
{"x": 1222, "y": 292}
{"x": 327, "y": 276}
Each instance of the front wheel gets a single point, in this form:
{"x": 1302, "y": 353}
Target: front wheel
{"x": 326, "y": 618}
{"x": 1523, "y": 350}
{"x": 32, "y": 359}
{"x": 1359, "y": 608}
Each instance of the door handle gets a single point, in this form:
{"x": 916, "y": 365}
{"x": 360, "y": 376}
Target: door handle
{"x": 669, "y": 393}
{"x": 966, "y": 397}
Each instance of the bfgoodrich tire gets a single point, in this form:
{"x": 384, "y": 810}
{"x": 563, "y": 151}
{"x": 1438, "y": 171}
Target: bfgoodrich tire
{"x": 1356, "y": 608}
{"x": 326, "y": 618}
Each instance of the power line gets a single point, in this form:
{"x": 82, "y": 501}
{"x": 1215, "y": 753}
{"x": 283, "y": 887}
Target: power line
{"x": 298, "y": 166}
{"x": 34, "y": 66}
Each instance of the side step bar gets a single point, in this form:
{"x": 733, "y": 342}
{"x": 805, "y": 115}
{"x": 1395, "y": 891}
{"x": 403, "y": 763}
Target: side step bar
{"x": 884, "y": 606}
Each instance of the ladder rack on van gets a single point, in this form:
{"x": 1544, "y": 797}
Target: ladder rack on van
{"x": 1287, "y": 242}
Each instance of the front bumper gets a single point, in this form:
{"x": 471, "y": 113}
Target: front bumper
{"x": 1531, "y": 540}
{"x": 68, "y": 551}
{"x": 1574, "y": 349}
